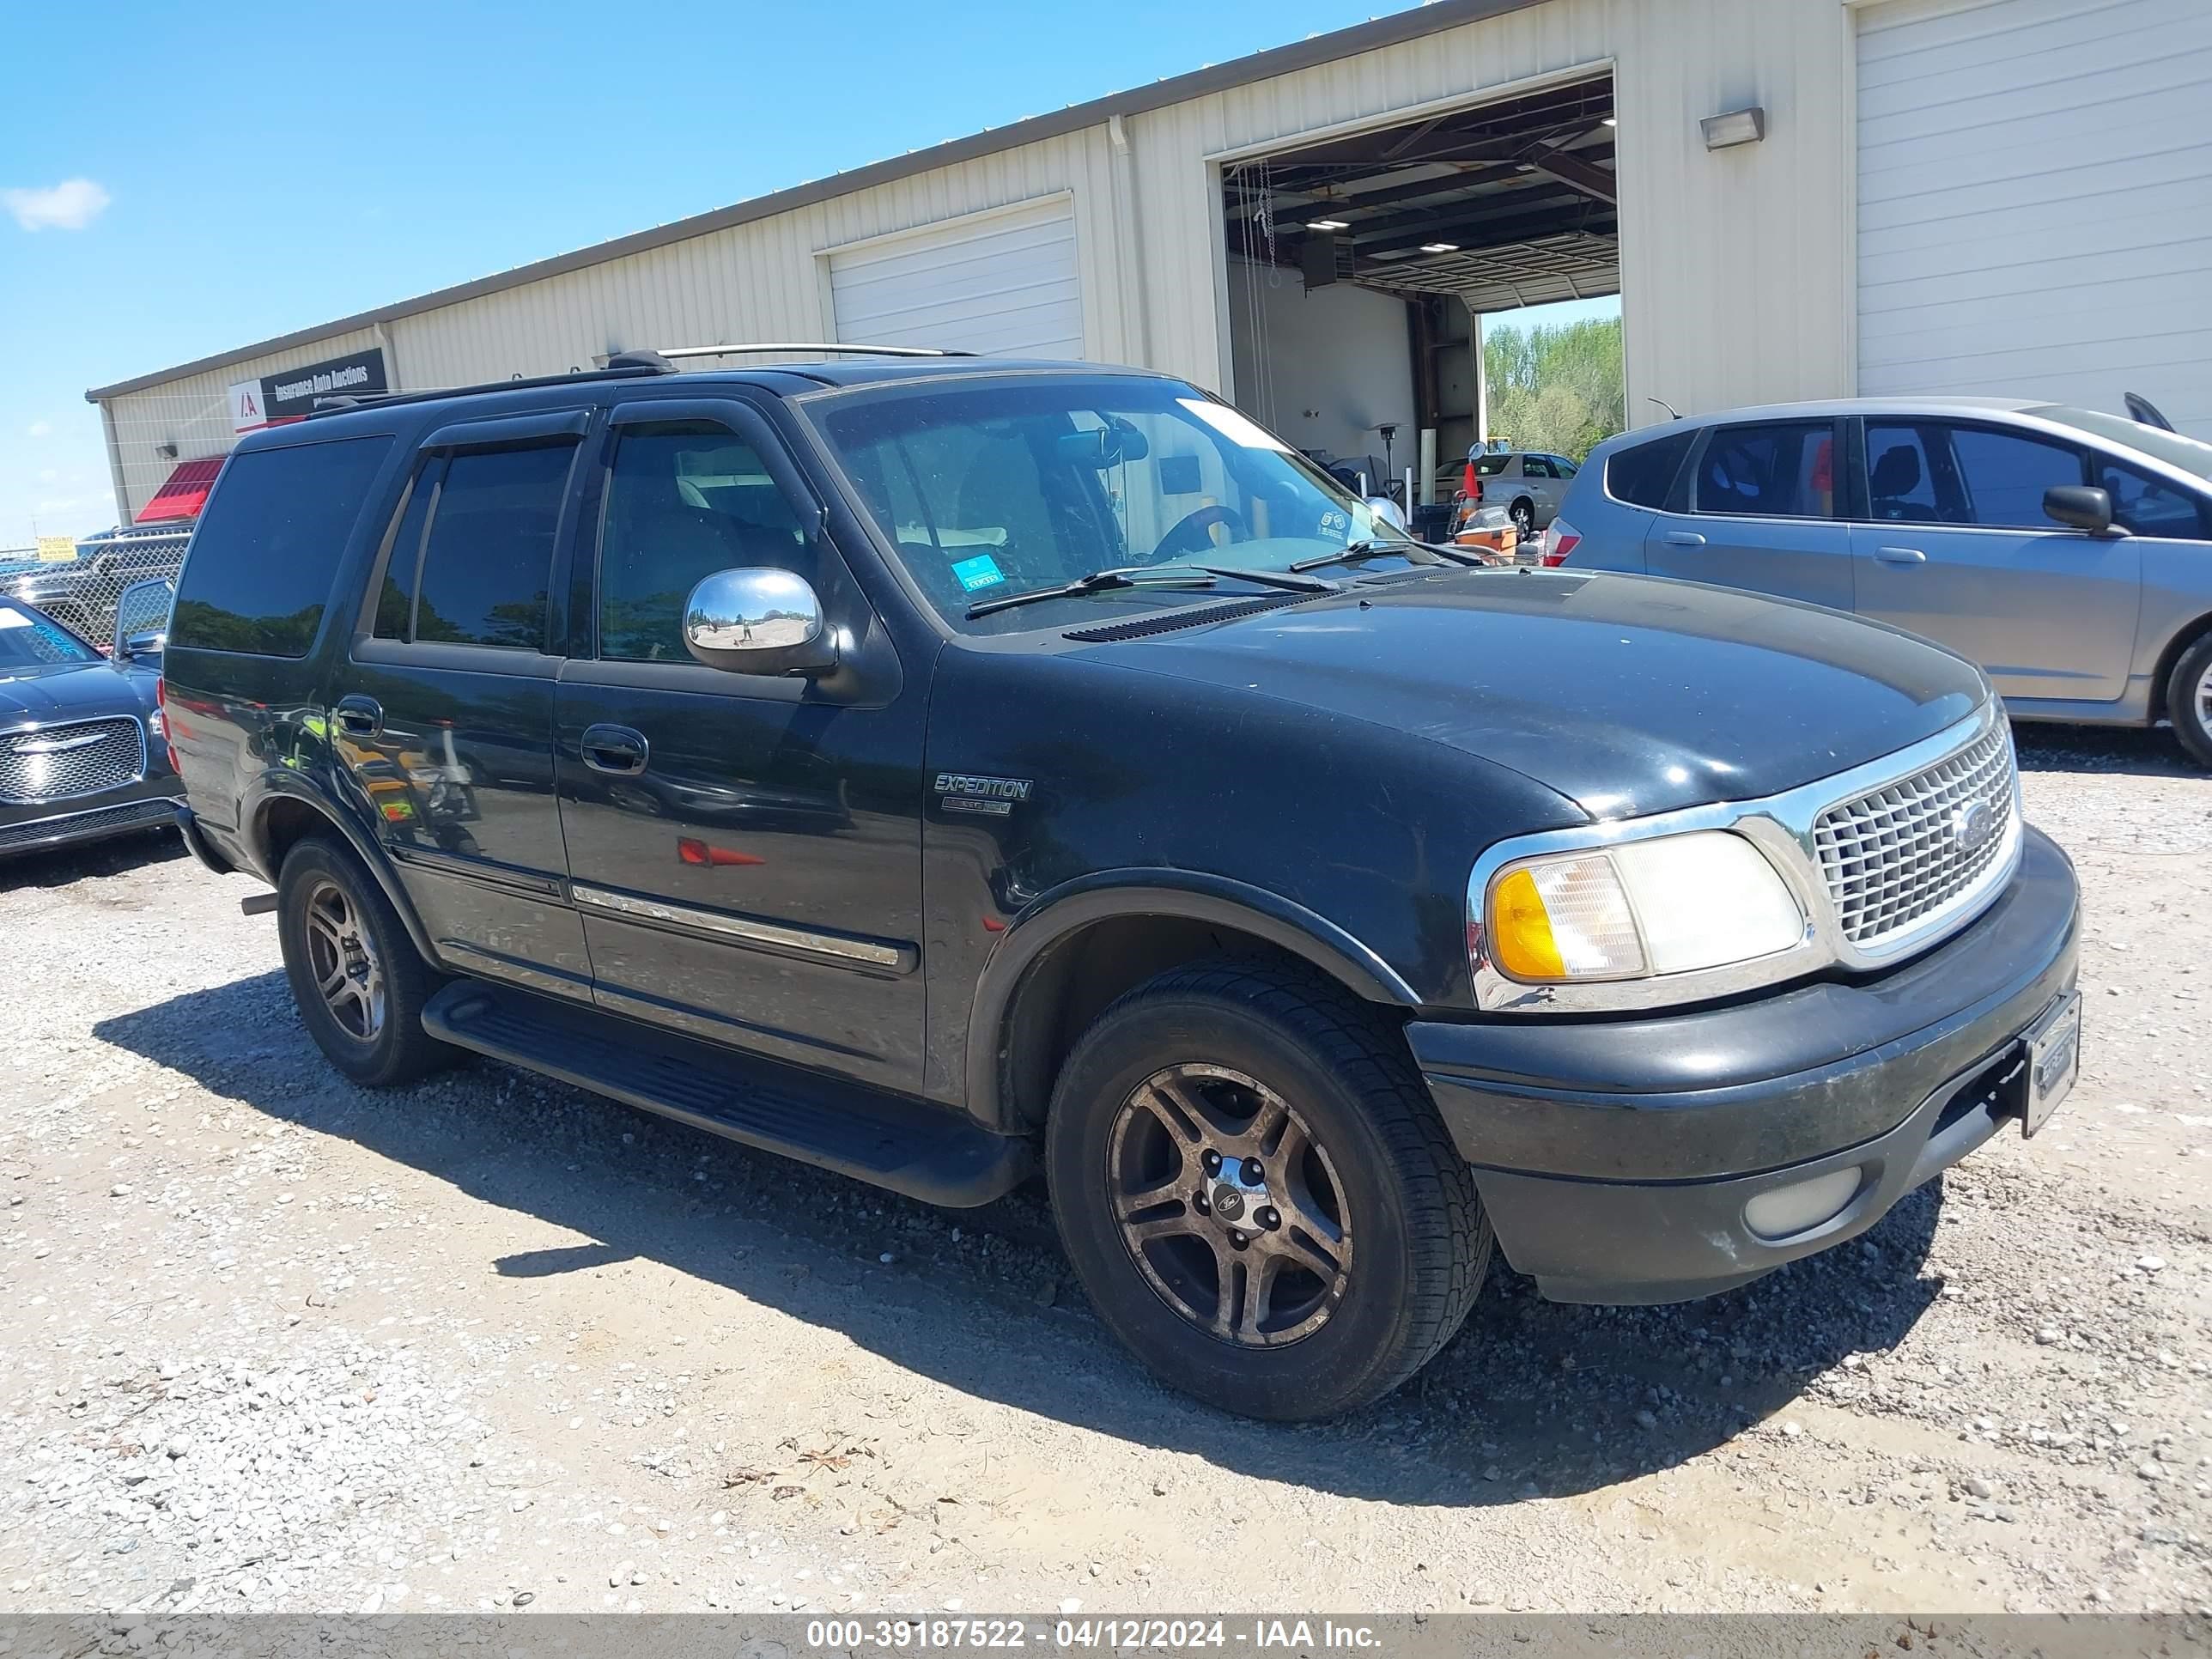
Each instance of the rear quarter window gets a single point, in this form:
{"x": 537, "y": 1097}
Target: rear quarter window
{"x": 268, "y": 547}
{"x": 1643, "y": 474}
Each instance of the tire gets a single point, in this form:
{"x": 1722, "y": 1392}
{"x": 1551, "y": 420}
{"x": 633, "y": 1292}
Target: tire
{"x": 371, "y": 1025}
{"x": 1524, "y": 517}
{"x": 2188, "y": 700}
{"x": 1411, "y": 1243}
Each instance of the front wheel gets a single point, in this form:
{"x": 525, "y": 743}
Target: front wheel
{"x": 1258, "y": 1194}
{"x": 1524, "y": 517}
{"x": 2188, "y": 700}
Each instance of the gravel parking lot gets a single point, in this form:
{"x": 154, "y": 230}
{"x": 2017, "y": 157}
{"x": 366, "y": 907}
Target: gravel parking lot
{"x": 270, "y": 1342}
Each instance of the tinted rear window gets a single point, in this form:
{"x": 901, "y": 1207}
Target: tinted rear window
{"x": 1643, "y": 474}
{"x": 268, "y": 547}
{"x": 1768, "y": 471}
{"x": 1489, "y": 466}
{"x": 482, "y": 571}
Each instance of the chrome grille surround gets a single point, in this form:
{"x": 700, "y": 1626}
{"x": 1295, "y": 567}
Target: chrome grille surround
{"x": 69, "y": 760}
{"x": 1905, "y": 853}
{"x": 1787, "y": 828}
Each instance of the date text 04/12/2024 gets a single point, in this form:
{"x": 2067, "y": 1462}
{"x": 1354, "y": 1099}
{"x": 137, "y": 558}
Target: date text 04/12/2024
{"x": 1102, "y": 1634}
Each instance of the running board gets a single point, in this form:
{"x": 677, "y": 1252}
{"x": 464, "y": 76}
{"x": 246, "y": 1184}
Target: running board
{"x": 925, "y": 1151}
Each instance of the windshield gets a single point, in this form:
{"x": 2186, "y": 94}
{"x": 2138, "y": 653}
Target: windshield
{"x": 28, "y": 640}
{"x": 990, "y": 488}
{"x": 2171, "y": 447}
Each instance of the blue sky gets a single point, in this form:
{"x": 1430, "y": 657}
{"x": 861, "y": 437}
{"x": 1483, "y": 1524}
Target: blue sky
{"x": 201, "y": 177}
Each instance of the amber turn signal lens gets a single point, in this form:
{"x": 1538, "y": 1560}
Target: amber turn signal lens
{"x": 1522, "y": 944}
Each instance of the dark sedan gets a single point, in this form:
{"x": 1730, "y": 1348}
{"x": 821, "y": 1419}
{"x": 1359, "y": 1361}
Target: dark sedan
{"x": 83, "y": 754}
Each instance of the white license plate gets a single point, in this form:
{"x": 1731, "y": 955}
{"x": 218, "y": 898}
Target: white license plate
{"x": 2054, "y": 1061}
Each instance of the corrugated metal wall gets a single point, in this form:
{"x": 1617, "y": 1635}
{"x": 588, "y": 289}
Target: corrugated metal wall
{"x": 194, "y": 414}
{"x": 1736, "y": 267}
{"x": 762, "y": 280}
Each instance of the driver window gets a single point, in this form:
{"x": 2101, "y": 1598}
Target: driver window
{"x": 683, "y": 501}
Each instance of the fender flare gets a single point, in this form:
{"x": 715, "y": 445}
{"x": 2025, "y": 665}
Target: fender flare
{"x": 286, "y": 786}
{"x": 1184, "y": 895}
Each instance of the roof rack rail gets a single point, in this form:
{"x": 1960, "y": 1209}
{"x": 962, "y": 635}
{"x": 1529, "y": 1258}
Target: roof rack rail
{"x": 672, "y": 352}
{"x": 620, "y": 365}
{"x": 341, "y": 402}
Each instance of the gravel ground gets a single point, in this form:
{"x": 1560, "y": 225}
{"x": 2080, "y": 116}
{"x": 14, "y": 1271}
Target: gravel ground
{"x": 270, "y": 1342}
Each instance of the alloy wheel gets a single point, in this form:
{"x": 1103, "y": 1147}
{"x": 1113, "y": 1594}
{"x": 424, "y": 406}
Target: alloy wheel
{"x": 343, "y": 958}
{"x": 1229, "y": 1207}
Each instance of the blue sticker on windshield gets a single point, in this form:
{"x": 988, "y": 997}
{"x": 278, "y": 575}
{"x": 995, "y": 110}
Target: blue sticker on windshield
{"x": 982, "y": 571}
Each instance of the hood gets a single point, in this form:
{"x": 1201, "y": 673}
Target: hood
{"x": 1627, "y": 695}
{"x": 73, "y": 691}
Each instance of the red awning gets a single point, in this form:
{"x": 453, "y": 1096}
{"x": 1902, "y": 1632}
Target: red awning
{"x": 185, "y": 494}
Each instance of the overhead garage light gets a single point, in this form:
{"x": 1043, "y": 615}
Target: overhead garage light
{"x": 1327, "y": 224}
{"x": 1737, "y": 126}
{"x": 1608, "y": 121}
{"x": 1440, "y": 247}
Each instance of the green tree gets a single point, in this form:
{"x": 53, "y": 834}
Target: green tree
{"x": 1555, "y": 388}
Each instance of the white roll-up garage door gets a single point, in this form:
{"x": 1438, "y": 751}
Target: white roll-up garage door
{"x": 1004, "y": 283}
{"x": 2035, "y": 201}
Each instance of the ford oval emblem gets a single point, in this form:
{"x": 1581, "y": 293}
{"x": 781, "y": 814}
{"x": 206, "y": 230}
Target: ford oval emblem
{"x": 1972, "y": 826}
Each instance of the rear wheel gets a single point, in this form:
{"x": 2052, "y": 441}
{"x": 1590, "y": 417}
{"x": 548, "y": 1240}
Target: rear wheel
{"x": 2188, "y": 700}
{"x": 1258, "y": 1194}
{"x": 356, "y": 975}
{"x": 1524, "y": 517}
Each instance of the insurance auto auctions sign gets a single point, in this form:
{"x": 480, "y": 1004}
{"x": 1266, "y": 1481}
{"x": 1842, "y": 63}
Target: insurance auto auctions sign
{"x": 290, "y": 394}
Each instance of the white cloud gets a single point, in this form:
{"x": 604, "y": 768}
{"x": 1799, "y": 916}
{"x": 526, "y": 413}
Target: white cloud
{"x": 39, "y": 429}
{"x": 70, "y": 205}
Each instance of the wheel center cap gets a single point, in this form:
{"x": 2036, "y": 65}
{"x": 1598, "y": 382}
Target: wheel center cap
{"x": 1228, "y": 1201}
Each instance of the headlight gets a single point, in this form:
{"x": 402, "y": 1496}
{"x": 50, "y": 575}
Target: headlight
{"x": 1670, "y": 905}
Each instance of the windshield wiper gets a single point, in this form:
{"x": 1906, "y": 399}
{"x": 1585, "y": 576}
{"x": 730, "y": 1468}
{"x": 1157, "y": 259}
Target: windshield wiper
{"x": 1412, "y": 552}
{"x": 1290, "y": 580}
{"x": 1149, "y": 575}
{"x": 1098, "y": 581}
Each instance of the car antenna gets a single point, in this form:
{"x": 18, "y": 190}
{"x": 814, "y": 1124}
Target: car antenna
{"x": 2145, "y": 412}
{"x": 1673, "y": 414}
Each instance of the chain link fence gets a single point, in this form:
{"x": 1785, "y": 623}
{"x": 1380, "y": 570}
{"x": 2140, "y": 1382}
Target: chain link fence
{"x": 80, "y": 593}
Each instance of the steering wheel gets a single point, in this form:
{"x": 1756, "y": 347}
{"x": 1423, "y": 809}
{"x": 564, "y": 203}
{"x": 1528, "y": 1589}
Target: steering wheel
{"x": 1187, "y": 534}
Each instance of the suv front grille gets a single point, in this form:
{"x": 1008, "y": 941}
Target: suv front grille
{"x": 1897, "y": 856}
{"x": 58, "y": 762}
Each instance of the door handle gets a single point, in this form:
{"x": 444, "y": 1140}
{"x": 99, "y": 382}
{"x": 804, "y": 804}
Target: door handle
{"x": 1901, "y": 556}
{"x": 615, "y": 749}
{"x": 359, "y": 716}
{"x": 1686, "y": 539}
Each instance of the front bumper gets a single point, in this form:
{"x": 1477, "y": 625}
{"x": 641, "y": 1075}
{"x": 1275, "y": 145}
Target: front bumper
{"x": 1615, "y": 1157}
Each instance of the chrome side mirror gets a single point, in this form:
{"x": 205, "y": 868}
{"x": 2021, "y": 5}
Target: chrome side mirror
{"x": 1387, "y": 510}
{"x": 758, "y": 620}
{"x": 142, "y": 619}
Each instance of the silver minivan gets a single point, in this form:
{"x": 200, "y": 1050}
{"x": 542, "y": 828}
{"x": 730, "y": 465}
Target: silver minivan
{"x": 2069, "y": 552}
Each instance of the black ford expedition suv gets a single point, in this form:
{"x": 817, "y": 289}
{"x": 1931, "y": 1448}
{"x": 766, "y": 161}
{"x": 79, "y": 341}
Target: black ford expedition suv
{"x": 943, "y": 770}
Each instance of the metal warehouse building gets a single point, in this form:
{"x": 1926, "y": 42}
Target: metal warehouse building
{"x": 1794, "y": 198}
